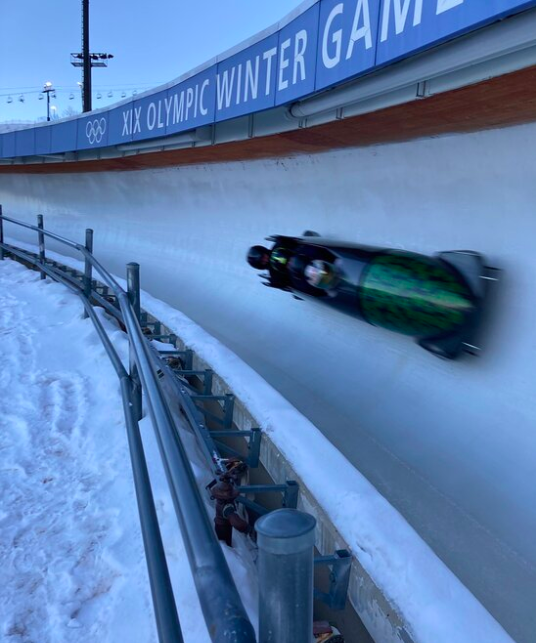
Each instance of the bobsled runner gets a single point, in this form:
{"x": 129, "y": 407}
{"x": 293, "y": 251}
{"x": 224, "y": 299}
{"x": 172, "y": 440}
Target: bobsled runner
{"x": 438, "y": 300}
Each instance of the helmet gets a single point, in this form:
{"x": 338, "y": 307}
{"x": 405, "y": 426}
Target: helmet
{"x": 258, "y": 257}
{"x": 320, "y": 274}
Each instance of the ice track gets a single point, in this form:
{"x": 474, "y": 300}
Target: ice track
{"x": 450, "y": 445}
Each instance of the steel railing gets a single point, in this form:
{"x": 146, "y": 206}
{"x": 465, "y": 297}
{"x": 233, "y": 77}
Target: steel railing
{"x": 221, "y": 604}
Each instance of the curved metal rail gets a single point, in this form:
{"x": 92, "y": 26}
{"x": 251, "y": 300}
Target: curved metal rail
{"x": 224, "y": 613}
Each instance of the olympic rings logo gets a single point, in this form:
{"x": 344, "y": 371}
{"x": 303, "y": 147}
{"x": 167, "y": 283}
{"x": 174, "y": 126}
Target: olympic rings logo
{"x": 95, "y": 130}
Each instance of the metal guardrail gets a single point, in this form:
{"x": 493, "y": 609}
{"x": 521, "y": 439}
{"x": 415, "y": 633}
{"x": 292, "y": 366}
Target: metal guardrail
{"x": 285, "y": 536}
{"x": 221, "y": 604}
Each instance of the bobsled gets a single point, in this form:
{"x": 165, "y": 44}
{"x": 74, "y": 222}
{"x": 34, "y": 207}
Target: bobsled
{"x": 439, "y": 300}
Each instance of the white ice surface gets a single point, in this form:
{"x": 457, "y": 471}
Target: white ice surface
{"x": 451, "y": 445}
{"x": 437, "y": 607}
{"x": 72, "y": 565}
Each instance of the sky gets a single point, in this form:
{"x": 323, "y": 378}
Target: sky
{"x": 152, "y": 43}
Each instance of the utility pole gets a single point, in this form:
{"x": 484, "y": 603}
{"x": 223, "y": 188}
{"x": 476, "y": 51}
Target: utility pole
{"x": 86, "y": 77}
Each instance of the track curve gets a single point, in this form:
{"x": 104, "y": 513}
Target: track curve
{"x": 451, "y": 445}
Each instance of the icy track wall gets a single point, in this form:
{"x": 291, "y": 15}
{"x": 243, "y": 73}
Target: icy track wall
{"x": 450, "y": 444}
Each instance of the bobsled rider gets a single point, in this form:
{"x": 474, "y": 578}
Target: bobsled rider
{"x": 290, "y": 269}
{"x": 275, "y": 261}
{"x": 321, "y": 274}
{"x": 259, "y": 257}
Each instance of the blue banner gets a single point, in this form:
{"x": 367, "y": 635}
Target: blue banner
{"x": 187, "y": 105}
{"x": 25, "y": 142}
{"x": 245, "y": 82}
{"x": 63, "y": 136}
{"x": 192, "y": 102}
{"x": 408, "y": 26}
{"x": 8, "y": 145}
{"x": 331, "y": 42}
{"x": 296, "y": 70}
{"x": 43, "y": 136}
{"x": 92, "y": 131}
{"x": 147, "y": 117}
{"x": 121, "y": 124}
{"x": 347, "y": 40}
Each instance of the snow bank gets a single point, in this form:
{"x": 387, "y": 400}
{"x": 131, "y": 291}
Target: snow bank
{"x": 72, "y": 565}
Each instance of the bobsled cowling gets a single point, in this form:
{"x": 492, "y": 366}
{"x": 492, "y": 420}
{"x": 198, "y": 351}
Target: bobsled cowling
{"x": 437, "y": 300}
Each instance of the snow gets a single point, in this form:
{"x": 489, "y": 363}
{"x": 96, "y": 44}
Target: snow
{"x": 72, "y": 565}
{"x": 436, "y": 606}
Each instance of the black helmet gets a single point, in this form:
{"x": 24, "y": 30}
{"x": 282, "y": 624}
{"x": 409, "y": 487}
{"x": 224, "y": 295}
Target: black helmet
{"x": 258, "y": 257}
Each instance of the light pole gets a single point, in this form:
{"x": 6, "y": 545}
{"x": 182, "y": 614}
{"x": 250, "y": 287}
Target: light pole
{"x": 47, "y": 89}
{"x": 87, "y": 60}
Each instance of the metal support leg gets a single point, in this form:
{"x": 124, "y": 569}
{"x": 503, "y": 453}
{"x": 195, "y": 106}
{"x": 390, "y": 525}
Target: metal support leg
{"x": 290, "y": 497}
{"x": 133, "y": 286}
{"x": 286, "y": 540}
{"x": 228, "y": 410}
{"x": 88, "y": 267}
{"x": 339, "y": 578}
{"x": 207, "y": 381}
{"x": 188, "y": 360}
{"x": 254, "y": 448}
{"x": 1, "y": 235}
{"x": 41, "y": 238}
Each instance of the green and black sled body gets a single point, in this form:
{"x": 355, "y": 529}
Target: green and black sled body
{"x": 437, "y": 300}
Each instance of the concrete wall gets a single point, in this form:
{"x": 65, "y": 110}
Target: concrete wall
{"x": 451, "y": 444}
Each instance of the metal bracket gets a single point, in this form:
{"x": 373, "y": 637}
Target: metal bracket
{"x": 157, "y": 326}
{"x": 422, "y": 89}
{"x": 339, "y": 577}
{"x": 186, "y": 357}
{"x": 228, "y": 407}
{"x": 171, "y": 338}
{"x": 254, "y": 444}
{"x": 289, "y": 489}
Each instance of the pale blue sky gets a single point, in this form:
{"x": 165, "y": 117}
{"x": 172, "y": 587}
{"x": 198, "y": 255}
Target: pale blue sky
{"x": 153, "y": 42}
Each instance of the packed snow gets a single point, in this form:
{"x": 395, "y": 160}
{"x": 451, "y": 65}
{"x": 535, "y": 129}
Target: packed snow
{"x": 72, "y": 564}
{"x": 431, "y": 600}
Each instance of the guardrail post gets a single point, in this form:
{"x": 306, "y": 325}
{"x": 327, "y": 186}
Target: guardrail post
{"x": 88, "y": 269}
{"x": 41, "y": 238}
{"x": 286, "y": 562}
{"x": 133, "y": 286}
{"x": 1, "y": 235}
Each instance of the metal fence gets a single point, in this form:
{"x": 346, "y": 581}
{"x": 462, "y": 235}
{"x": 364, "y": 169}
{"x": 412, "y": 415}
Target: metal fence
{"x": 222, "y": 606}
{"x": 285, "y": 537}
